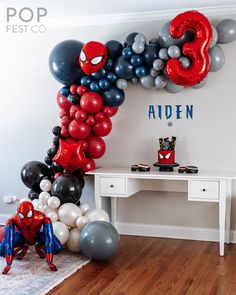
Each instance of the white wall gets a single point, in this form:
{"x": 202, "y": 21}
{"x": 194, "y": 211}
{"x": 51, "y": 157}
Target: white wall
{"x": 29, "y": 111}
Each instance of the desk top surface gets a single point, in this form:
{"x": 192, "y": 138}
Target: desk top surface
{"x": 156, "y": 174}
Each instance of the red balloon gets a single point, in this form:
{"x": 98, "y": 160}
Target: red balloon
{"x": 81, "y": 90}
{"x": 99, "y": 116}
{"x": 109, "y": 111}
{"x": 197, "y": 50}
{"x": 73, "y": 88}
{"x": 63, "y": 113}
{"x": 96, "y": 147}
{"x": 79, "y": 130}
{"x": 91, "y": 121}
{"x": 91, "y": 102}
{"x": 81, "y": 115}
{"x": 63, "y": 102}
{"x": 87, "y": 167}
{"x": 56, "y": 175}
{"x": 73, "y": 110}
{"x": 65, "y": 132}
{"x": 102, "y": 128}
{"x": 65, "y": 121}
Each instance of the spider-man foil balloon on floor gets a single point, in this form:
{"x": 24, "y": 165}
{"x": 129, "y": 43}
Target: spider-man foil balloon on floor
{"x": 23, "y": 229}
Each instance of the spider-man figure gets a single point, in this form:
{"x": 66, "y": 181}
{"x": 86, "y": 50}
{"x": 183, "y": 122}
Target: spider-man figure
{"x": 93, "y": 57}
{"x": 23, "y": 229}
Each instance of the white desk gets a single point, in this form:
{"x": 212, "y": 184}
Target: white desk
{"x": 206, "y": 186}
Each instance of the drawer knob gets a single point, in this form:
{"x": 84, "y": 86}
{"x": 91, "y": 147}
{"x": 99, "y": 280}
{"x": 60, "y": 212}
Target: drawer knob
{"x": 111, "y": 185}
{"x": 203, "y": 189}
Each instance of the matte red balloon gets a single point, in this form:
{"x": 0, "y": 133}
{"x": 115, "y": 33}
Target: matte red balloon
{"x": 65, "y": 132}
{"x": 63, "y": 113}
{"x": 63, "y": 102}
{"x": 73, "y": 88}
{"x": 109, "y": 111}
{"x": 81, "y": 90}
{"x": 73, "y": 110}
{"x": 88, "y": 167}
{"x": 65, "y": 121}
{"x": 79, "y": 130}
{"x": 81, "y": 115}
{"x": 102, "y": 128}
{"x": 91, "y": 102}
{"x": 91, "y": 121}
{"x": 96, "y": 147}
{"x": 99, "y": 116}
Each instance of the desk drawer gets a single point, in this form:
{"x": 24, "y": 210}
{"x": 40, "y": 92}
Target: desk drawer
{"x": 112, "y": 186}
{"x": 203, "y": 190}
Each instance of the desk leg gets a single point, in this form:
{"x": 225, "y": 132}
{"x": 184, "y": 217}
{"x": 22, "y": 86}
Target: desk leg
{"x": 228, "y": 211}
{"x": 113, "y": 210}
{"x": 98, "y": 199}
{"x": 222, "y": 212}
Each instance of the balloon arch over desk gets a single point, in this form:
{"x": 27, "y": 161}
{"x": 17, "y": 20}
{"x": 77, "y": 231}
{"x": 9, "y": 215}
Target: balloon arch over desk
{"x": 95, "y": 75}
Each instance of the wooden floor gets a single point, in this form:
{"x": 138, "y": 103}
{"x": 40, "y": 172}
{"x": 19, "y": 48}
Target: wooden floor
{"x": 157, "y": 266}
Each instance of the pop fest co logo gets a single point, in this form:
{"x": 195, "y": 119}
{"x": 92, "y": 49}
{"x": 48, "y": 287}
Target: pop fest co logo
{"x": 25, "y": 20}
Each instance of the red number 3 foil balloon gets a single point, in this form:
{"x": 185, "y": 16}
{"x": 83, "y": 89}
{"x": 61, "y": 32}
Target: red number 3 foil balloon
{"x": 197, "y": 50}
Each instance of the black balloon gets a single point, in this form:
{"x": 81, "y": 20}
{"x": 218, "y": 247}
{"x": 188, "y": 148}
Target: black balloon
{"x": 48, "y": 160}
{"x": 63, "y": 62}
{"x": 80, "y": 177}
{"x": 56, "y": 130}
{"x": 123, "y": 68}
{"x": 129, "y": 40}
{"x": 52, "y": 152}
{"x": 67, "y": 188}
{"x": 32, "y": 173}
{"x": 33, "y": 195}
{"x": 56, "y": 141}
{"x": 57, "y": 167}
{"x": 113, "y": 96}
{"x": 114, "y": 49}
{"x": 150, "y": 54}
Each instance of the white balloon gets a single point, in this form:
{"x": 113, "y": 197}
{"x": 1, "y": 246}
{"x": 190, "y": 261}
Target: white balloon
{"x": 38, "y": 206}
{"x": 43, "y": 197}
{"x": 68, "y": 213}
{"x": 54, "y": 202}
{"x": 81, "y": 222}
{"x": 49, "y": 210}
{"x": 35, "y": 201}
{"x": 73, "y": 243}
{"x": 97, "y": 215}
{"x": 84, "y": 208}
{"x": 53, "y": 216}
{"x": 45, "y": 185}
{"x": 61, "y": 231}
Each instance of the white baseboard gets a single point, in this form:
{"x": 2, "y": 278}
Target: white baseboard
{"x": 176, "y": 232}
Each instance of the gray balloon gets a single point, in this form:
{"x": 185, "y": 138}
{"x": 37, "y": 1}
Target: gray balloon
{"x": 147, "y": 82}
{"x": 226, "y": 31}
{"x": 185, "y": 62}
{"x": 217, "y": 58}
{"x": 158, "y": 64}
{"x": 140, "y": 37}
{"x": 163, "y": 54}
{"x": 201, "y": 84}
{"x": 154, "y": 73}
{"x": 138, "y": 47}
{"x": 165, "y": 39}
{"x": 214, "y": 37}
{"x": 172, "y": 87}
{"x": 121, "y": 83}
{"x": 99, "y": 240}
{"x": 160, "y": 81}
{"x": 134, "y": 81}
{"x": 174, "y": 51}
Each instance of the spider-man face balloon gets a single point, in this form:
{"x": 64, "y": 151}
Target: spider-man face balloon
{"x": 25, "y": 212}
{"x": 93, "y": 57}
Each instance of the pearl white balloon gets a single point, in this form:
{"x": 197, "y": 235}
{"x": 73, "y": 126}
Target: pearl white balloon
{"x": 84, "y": 208}
{"x": 35, "y": 201}
{"x": 97, "y": 215}
{"x": 73, "y": 243}
{"x": 45, "y": 185}
{"x": 53, "y": 216}
{"x": 49, "y": 210}
{"x": 61, "y": 231}
{"x": 54, "y": 202}
{"x": 81, "y": 222}
{"x": 38, "y": 206}
{"x": 68, "y": 214}
{"x": 43, "y": 197}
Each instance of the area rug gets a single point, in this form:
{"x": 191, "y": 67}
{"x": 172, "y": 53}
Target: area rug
{"x": 31, "y": 275}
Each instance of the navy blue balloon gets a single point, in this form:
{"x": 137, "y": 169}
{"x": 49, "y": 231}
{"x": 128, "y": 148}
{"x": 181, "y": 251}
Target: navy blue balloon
{"x": 94, "y": 86}
{"x": 136, "y": 60}
{"x": 127, "y": 53}
{"x": 98, "y": 75}
{"x": 63, "y": 62}
{"x": 112, "y": 77}
{"x": 113, "y": 96}
{"x": 114, "y": 49}
{"x": 85, "y": 80}
{"x": 129, "y": 40}
{"x": 141, "y": 71}
{"x": 123, "y": 68}
{"x": 73, "y": 98}
{"x": 150, "y": 54}
{"x": 65, "y": 91}
{"x": 104, "y": 83}
{"x": 109, "y": 64}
